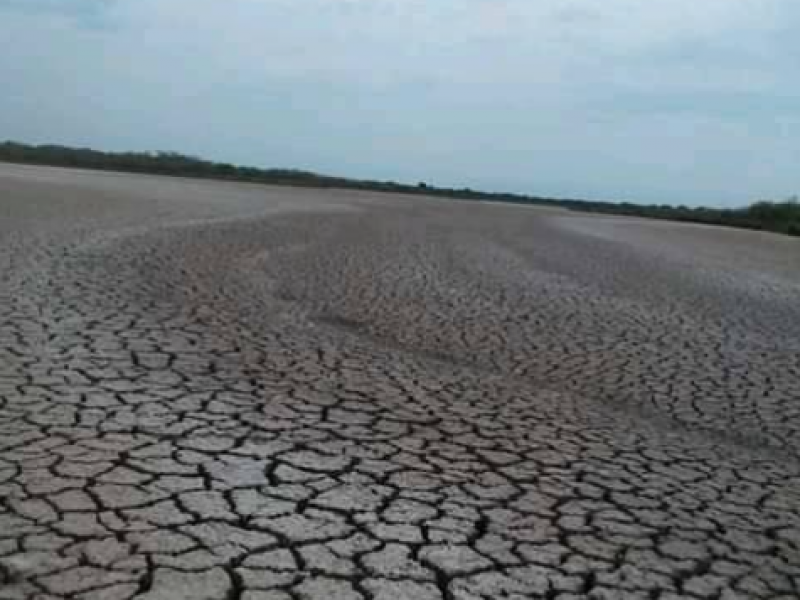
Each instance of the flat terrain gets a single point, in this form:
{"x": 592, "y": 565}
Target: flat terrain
{"x": 223, "y": 391}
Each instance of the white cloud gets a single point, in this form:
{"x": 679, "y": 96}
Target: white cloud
{"x": 582, "y": 78}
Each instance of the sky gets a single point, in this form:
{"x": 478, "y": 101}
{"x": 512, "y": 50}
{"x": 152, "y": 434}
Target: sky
{"x": 680, "y": 101}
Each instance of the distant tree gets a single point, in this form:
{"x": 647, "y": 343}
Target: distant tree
{"x": 782, "y": 216}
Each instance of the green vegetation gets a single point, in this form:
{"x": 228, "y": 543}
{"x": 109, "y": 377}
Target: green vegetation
{"x": 782, "y": 217}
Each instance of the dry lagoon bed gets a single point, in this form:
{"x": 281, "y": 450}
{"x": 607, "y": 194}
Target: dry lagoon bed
{"x": 223, "y": 391}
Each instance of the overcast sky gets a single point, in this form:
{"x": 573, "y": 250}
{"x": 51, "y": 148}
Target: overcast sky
{"x": 683, "y": 101}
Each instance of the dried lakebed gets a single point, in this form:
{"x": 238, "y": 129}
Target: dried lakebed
{"x": 223, "y": 391}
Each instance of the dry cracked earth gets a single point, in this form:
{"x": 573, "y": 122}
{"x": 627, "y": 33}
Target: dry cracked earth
{"x": 221, "y": 391}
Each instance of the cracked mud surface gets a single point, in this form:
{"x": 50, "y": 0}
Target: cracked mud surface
{"x": 217, "y": 391}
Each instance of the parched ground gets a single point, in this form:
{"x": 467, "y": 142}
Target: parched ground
{"x": 222, "y": 391}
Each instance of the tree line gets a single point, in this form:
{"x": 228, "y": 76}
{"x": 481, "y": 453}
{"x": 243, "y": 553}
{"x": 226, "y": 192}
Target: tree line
{"x": 777, "y": 216}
